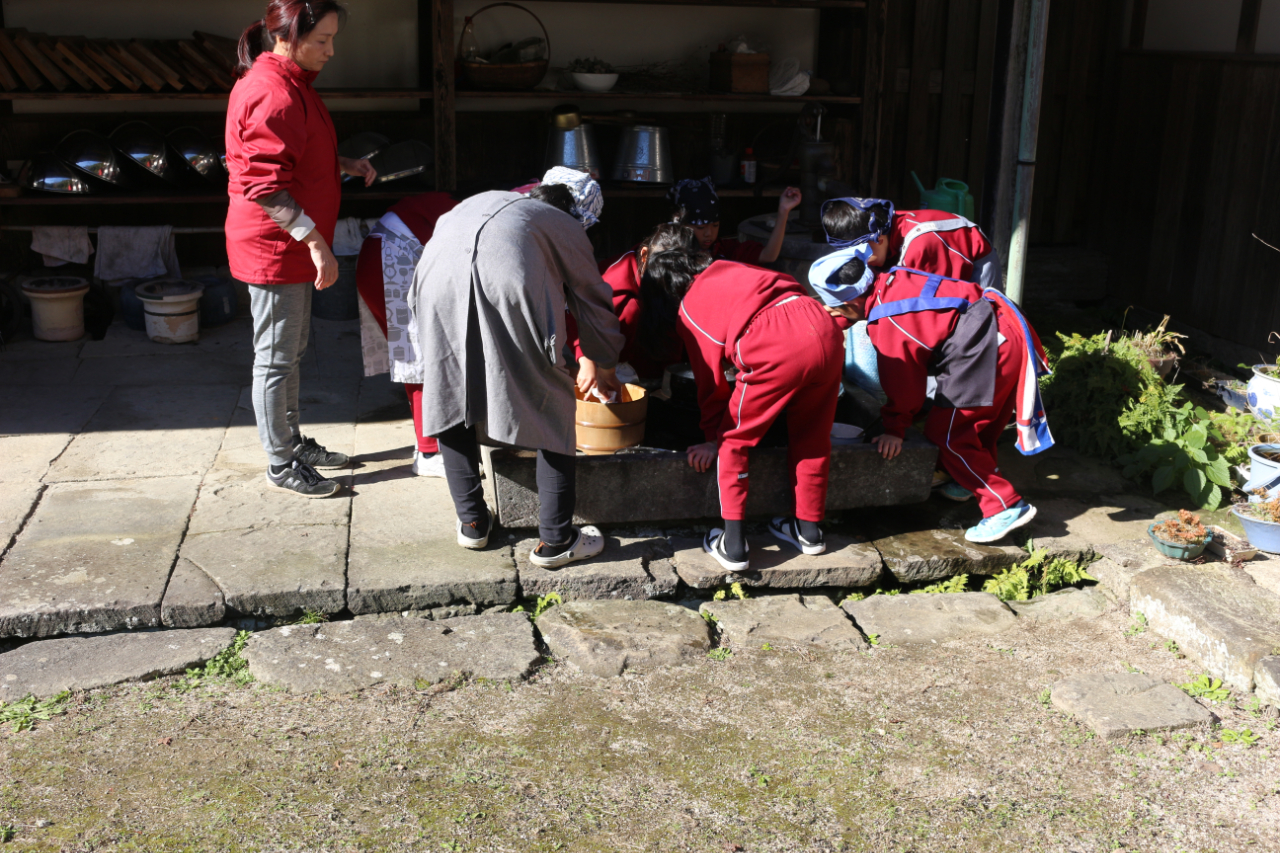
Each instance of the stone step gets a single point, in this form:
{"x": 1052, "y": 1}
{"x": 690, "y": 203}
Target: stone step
{"x": 630, "y": 569}
{"x": 930, "y": 617}
{"x": 604, "y": 638}
{"x": 847, "y": 562}
{"x": 1115, "y": 705}
{"x": 340, "y": 657}
{"x": 785, "y": 621}
{"x": 1216, "y": 616}
{"x": 48, "y": 667}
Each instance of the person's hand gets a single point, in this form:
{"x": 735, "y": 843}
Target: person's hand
{"x": 890, "y": 445}
{"x": 703, "y": 456}
{"x": 322, "y": 257}
{"x": 358, "y": 169}
{"x": 607, "y": 381}
{"x": 790, "y": 201}
{"x": 586, "y": 375}
{"x": 848, "y": 311}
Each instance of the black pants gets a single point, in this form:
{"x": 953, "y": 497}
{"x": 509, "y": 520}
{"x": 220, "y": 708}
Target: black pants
{"x": 556, "y": 485}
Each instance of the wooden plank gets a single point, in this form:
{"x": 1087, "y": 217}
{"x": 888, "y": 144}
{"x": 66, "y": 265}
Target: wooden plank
{"x": 1264, "y": 263}
{"x": 121, "y": 54}
{"x": 872, "y": 97}
{"x": 192, "y": 52}
{"x": 90, "y": 69}
{"x": 983, "y": 81}
{"x": 1205, "y": 201}
{"x": 8, "y": 79}
{"x": 223, "y": 50}
{"x": 29, "y": 48}
{"x": 959, "y": 64}
{"x": 99, "y": 55}
{"x": 426, "y": 63}
{"x": 1247, "y": 34}
{"x": 66, "y": 66}
{"x": 168, "y": 52}
{"x": 1081, "y": 97}
{"x": 926, "y": 56}
{"x": 16, "y": 58}
{"x": 900, "y": 30}
{"x": 442, "y": 86}
{"x": 1138, "y": 24}
{"x": 157, "y": 65}
{"x": 1223, "y": 111}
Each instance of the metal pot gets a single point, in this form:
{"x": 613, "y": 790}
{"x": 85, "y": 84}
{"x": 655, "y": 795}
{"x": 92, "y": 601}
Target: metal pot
{"x": 644, "y": 154}
{"x": 198, "y": 152}
{"x": 46, "y": 172}
{"x": 93, "y": 154}
{"x": 145, "y": 146}
{"x": 403, "y": 160}
{"x": 574, "y": 148}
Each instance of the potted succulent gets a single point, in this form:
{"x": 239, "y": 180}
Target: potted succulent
{"x": 1182, "y": 538}
{"x": 1261, "y": 521}
{"x": 593, "y": 75}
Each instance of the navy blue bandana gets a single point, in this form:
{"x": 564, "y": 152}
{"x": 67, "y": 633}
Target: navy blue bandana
{"x": 696, "y": 202}
{"x": 878, "y": 228}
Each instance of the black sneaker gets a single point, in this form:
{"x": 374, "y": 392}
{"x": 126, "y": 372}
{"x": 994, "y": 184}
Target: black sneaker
{"x": 316, "y": 456}
{"x": 302, "y": 479}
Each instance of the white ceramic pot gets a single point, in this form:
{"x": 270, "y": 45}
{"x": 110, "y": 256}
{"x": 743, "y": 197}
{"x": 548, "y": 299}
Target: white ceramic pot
{"x": 1264, "y": 393}
{"x": 172, "y": 309}
{"x": 595, "y": 82}
{"x": 57, "y": 307}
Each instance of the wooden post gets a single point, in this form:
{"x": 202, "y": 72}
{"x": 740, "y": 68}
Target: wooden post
{"x": 426, "y": 63}
{"x": 442, "y": 88}
{"x": 1247, "y": 35}
{"x": 872, "y": 97}
{"x": 1037, "y": 35}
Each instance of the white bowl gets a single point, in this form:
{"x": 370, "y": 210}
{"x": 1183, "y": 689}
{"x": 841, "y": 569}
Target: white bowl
{"x": 594, "y": 82}
{"x": 845, "y": 434}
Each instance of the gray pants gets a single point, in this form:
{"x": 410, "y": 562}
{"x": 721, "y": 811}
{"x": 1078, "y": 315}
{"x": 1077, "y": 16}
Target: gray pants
{"x": 281, "y": 325}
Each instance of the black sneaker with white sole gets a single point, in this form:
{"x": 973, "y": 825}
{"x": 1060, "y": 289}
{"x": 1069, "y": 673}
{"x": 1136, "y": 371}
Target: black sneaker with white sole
{"x": 713, "y": 544}
{"x": 786, "y": 529}
{"x": 317, "y": 456}
{"x": 301, "y": 479}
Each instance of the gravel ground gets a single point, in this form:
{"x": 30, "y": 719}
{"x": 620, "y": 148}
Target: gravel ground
{"x": 950, "y": 747}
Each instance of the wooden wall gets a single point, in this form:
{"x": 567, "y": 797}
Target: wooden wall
{"x": 1194, "y": 171}
{"x": 938, "y": 62}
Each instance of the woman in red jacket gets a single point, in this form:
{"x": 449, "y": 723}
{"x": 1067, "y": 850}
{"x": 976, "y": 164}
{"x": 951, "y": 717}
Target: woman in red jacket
{"x": 789, "y": 355}
{"x": 282, "y": 157}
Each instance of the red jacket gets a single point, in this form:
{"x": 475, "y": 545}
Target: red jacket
{"x": 720, "y": 305}
{"x": 948, "y": 252}
{"x": 742, "y": 251}
{"x": 279, "y": 137}
{"x": 624, "y": 277}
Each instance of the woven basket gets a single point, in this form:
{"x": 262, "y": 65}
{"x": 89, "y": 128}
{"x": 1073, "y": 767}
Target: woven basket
{"x": 507, "y": 76}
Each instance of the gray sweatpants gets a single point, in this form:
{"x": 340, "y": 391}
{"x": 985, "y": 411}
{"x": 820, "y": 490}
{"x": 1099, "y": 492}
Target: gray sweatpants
{"x": 281, "y": 325}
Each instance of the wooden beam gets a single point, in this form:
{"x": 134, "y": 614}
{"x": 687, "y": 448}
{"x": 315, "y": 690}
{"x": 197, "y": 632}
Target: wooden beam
{"x": 1138, "y": 25}
{"x": 1247, "y": 35}
{"x": 442, "y": 87}
{"x": 872, "y": 96}
{"x": 426, "y": 65}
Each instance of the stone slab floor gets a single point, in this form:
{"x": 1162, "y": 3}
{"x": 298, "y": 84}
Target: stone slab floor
{"x": 132, "y": 496}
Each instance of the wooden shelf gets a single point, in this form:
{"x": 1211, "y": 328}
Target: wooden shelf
{"x": 767, "y": 4}
{"x": 53, "y": 200}
{"x": 704, "y": 97}
{"x": 359, "y": 94}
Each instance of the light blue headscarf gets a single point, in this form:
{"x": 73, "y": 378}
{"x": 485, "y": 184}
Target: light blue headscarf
{"x": 824, "y": 273}
{"x": 587, "y": 200}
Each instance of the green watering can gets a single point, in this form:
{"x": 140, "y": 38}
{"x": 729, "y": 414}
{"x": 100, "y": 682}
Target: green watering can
{"x": 950, "y": 195}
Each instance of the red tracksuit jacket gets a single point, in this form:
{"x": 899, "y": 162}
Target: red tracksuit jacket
{"x": 950, "y": 253}
{"x": 623, "y": 275}
{"x": 720, "y": 305}
{"x": 279, "y": 137}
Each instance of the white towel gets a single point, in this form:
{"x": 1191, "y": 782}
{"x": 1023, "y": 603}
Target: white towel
{"x": 62, "y": 244}
{"x": 136, "y": 252}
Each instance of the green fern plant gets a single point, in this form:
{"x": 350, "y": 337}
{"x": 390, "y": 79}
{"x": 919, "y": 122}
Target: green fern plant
{"x": 958, "y": 583}
{"x": 1035, "y": 576}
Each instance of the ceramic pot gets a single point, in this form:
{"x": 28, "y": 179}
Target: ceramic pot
{"x": 1177, "y": 550}
{"x": 1263, "y": 535}
{"x": 1264, "y": 393}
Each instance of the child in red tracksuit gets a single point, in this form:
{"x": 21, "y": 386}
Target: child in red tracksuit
{"x": 789, "y": 356}
{"x": 985, "y": 356}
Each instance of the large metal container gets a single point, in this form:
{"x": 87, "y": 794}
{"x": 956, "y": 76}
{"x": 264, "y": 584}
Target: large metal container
{"x": 574, "y": 148}
{"x": 644, "y": 154}
{"x": 93, "y": 154}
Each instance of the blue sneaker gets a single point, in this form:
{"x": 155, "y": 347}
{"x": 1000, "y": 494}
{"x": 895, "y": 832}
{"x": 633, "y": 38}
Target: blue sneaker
{"x": 953, "y": 491}
{"x": 998, "y": 525}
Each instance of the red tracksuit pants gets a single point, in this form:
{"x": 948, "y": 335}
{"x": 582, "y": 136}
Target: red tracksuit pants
{"x": 791, "y": 358}
{"x": 966, "y": 438}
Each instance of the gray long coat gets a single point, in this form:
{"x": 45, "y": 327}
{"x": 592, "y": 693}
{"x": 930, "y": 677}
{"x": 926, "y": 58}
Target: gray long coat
{"x": 490, "y": 294}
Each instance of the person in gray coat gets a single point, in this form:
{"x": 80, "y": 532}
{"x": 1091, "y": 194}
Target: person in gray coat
{"x": 490, "y": 294}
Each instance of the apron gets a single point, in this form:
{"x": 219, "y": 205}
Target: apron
{"x": 399, "y": 352}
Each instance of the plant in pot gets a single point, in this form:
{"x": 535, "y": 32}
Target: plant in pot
{"x": 1182, "y": 538}
{"x": 1158, "y": 346}
{"x": 1261, "y": 521}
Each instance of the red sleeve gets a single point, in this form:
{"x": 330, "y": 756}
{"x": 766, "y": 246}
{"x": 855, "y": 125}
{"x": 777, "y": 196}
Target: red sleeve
{"x": 742, "y": 251}
{"x": 273, "y": 133}
{"x": 369, "y": 281}
{"x": 628, "y": 310}
{"x": 705, "y": 357}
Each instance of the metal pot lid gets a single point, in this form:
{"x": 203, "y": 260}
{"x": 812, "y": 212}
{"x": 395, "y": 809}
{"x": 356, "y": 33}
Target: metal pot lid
{"x": 198, "y": 152}
{"x": 144, "y": 145}
{"x": 169, "y": 290}
{"x": 93, "y": 154}
{"x": 403, "y": 160}
{"x": 55, "y": 284}
{"x": 47, "y": 173}
{"x": 362, "y": 146}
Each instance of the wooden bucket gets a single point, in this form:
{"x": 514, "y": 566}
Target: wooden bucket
{"x": 607, "y": 428}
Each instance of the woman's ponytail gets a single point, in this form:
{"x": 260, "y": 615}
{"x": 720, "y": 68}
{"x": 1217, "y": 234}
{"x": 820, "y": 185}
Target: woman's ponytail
{"x": 251, "y": 44}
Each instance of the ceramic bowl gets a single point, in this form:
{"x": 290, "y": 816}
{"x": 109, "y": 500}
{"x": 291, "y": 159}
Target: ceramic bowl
{"x": 595, "y": 82}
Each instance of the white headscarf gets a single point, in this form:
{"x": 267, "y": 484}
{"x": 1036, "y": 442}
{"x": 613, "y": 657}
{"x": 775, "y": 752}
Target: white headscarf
{"x": 587, "y": 200}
